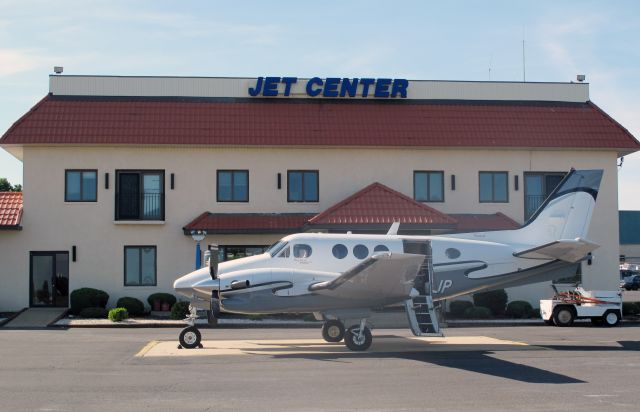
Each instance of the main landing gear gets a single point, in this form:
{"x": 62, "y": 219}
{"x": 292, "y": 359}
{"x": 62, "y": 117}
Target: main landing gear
{"x": 357, "y": 338}
{"x": 190, "y": 337}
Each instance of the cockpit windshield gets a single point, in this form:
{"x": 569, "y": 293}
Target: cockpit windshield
{"x": 276, "y": 247}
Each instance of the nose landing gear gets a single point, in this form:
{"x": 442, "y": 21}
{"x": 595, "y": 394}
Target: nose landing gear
{"x": 190, "y": 337}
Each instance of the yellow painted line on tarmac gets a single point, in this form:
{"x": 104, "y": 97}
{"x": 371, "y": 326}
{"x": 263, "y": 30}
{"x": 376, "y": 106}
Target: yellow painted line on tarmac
{"x": 381, "y": 344}
{"x": 147, "y": 348}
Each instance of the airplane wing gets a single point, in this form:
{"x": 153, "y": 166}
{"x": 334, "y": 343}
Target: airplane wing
{"x": 569, "y": 250}
{"x": 382, "y": 276}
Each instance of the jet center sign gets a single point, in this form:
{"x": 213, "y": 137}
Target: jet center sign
{"x": 330, "y": 87}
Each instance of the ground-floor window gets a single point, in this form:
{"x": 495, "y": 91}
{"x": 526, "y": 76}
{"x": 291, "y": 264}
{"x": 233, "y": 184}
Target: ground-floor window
{"x": 231, "y": 252}
{"x": 140, "y": 265}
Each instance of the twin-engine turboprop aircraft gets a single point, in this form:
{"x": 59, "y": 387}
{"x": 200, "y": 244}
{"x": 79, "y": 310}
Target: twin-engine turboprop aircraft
{"x": 342, "y": 277}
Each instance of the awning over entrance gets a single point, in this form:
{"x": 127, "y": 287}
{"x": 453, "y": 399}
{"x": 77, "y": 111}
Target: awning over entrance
{"x": 372, "y": 209}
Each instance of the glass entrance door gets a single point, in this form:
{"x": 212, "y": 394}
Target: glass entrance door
{"x": 49, "y": 279}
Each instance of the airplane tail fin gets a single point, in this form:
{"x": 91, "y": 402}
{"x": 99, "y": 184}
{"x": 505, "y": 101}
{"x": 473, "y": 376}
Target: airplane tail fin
{"x": 567, "y": 212}
{"x": 560, "y": 224}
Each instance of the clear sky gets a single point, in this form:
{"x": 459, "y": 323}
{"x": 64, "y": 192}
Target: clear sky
{"x": 440, "y": 40}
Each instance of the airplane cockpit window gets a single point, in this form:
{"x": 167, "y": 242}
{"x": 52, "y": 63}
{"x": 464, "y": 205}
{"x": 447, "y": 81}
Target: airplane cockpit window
{"x": 452, "y": 253}
{"x": 381, "y": 248}
{"x": 276, "y": 247}
{"x": 301, "y": 251}
{"x": 340, "y": 251}
{"x": 285, "y": 252}
{"x": 360, "y": 251}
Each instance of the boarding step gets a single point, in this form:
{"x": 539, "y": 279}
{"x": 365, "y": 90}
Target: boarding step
{"x": 422, "y": 316}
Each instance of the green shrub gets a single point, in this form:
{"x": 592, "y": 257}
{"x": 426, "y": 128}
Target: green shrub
{"x": 535, "y": 313}
{"x": 87, "y": 298}
{"x": 495, "y": 300}
{"x": 477, "y": 312}
{"x": 630, "y": 308}
{"x": 162, "y": 297}
{"x": 179, "y": 310}
{"x": 118, "y": 314}
{"x": 95, "y": 313}
{"x": 519, "y": 309}
{"x": 457, "y": 307}
{"x": 133, "y": 306}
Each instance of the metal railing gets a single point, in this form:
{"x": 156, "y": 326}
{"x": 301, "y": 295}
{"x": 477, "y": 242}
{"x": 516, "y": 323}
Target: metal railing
{"x": 142, "y": 206}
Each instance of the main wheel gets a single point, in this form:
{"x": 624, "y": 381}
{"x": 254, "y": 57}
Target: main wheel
{"x": 611, "y": 318}
{"x": 563, "y": 316}
{"x": 190, "y": 337}
{"x": 333, "y": 331}
{"x": 353, "y": 340}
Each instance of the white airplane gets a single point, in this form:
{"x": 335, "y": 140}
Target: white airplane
{"x": 342, "y": 277}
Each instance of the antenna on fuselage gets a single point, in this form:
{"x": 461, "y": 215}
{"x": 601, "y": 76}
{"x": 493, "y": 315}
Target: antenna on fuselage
{"x": 393, "y": 230}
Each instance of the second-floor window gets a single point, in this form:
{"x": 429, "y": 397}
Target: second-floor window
{"x": 80, "y": 186}
{"x": 537, "y": 187}
{"x": 139, "y": 195}
{"x": 494, "y": 187}
{"x": 233, "y": 186}
{"x": 302, "y": 186}
{"x": 428, "y": 186}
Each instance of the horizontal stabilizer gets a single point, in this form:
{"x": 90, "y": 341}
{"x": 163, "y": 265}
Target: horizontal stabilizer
{"x": 382, "y": 276}
{"x": 568, "y": 250}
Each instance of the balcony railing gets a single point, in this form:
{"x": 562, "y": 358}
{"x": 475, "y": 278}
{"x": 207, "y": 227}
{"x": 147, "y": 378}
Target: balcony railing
{"x": 143, "y": 206}
{"x": 531, "y": 204}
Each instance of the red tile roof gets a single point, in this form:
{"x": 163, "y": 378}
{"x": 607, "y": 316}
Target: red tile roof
{"x": 10, "y": 210}
{"x": 471, "y": 222}
{"x": 102, "y": 120}
{"x": 377, "y": 204}
{"x": 222, "y": 223}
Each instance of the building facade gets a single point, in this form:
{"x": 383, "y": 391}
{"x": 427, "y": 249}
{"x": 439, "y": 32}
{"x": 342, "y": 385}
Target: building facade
{"x": 119, "y": 172}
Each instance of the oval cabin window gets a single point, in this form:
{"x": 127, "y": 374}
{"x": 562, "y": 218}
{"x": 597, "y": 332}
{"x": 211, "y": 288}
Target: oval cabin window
{"x": 381, "y": 248}
{"x": 452, "y": 253}
{"x": 360, "y": 251}
{"x": 340, "y": 251}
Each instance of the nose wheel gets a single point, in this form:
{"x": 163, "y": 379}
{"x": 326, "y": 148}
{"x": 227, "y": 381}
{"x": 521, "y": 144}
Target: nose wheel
{"x": 333, "y": 331}
{"x": 190, "y": 338}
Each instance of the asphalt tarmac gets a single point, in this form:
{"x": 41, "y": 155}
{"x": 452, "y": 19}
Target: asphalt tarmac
{"x": 532, "y": 368}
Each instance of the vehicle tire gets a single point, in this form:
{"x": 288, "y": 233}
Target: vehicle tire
{"x": 563, "y": 316}
{"x": 549, "y": 322}
{"x": 190, "y": 337}
{"x": 352, "y": 340}
{"x": 333, "y": 331}
{"x": 597, "y": 321}
{"x": 611, "y": 318}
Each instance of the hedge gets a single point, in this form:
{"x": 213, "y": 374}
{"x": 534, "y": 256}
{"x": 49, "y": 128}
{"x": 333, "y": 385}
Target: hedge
{"x": 179, "y": 310}
{"x": 458, "y": 307}
{"x": 519, "y": 309}
{"x": 495, "y": 300}
{"x": 133, "y": 306}
{"x": 162, "y": 297}
{"x": 87, "y": 298}
{"x": 477, "y": 312}
{"x": 118, "y": 314}
{"x": 94, "y": 313}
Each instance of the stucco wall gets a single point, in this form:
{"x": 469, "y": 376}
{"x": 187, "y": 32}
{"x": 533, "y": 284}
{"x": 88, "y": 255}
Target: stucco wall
{"x": 51, "y": 224}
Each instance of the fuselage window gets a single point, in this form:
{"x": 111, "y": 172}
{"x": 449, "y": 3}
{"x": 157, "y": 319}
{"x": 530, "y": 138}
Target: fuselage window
{"x": 360, "y": 251}
{"x": 340, "y": 251}
{"x": 285, "y": 253}
{"x": 452, "y": 253}
{"x": 301, "y": 251}
{"x": 381, "y": 248}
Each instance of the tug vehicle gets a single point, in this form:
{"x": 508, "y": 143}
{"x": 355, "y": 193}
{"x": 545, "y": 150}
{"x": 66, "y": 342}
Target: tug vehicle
{"x": 603, "y": 307}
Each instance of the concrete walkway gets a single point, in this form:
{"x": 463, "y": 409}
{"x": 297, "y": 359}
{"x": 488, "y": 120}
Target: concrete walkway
{"x": 36, "y": 318}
